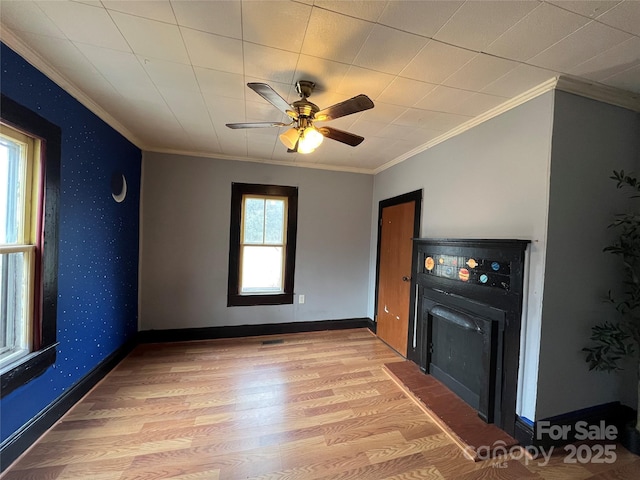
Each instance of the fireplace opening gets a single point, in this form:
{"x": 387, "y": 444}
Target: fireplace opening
{"x": 455, "y": 354}
{"x": 463, "y": 350}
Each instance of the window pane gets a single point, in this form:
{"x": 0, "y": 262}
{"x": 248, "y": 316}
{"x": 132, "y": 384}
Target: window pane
{"x": 274, "y": 228}
{"x": 13, "y": 301}
{"x": 261, "y": 269}
{"x": 253, "y": 220}
{"x": 11, "y": 190}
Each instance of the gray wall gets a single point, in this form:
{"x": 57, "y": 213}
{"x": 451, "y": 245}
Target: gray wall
{"x": 590, "y": 139}
{"x": 489, "y": 182}
{"x": 185, "y": 242}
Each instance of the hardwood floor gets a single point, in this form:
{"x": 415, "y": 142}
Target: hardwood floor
{"x": 313, "y": 406}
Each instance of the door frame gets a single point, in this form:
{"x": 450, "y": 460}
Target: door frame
{"x": 415, "y": 196}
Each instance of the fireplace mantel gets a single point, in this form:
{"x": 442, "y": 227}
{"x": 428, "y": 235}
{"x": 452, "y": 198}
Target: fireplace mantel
{"x": 478, "y": 279}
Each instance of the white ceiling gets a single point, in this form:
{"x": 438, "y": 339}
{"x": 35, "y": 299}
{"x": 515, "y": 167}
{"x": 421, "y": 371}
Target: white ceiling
{"x": 170, "y": 74}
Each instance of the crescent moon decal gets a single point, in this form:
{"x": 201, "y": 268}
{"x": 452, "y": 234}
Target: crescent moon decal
{"x": 118, "y": 188}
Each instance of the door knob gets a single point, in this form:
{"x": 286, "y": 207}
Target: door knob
{"x": 406, "y": 279}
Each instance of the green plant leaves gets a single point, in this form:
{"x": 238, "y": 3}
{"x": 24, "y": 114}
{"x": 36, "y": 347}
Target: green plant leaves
{"x": 614, "y": 340}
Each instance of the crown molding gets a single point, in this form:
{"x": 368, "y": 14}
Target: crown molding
{"x": 220, "y": 156}
{"x": 35, "y": 59}
{"x": 599, "y": 92}
{"x": 587, "y": 89}
{"x": 28, "y": 54}
{"x": 592, "y": 90}
{"x": 468, "y": 125}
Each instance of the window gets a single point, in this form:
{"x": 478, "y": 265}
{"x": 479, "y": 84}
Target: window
{"x": 29, "y": 197}
{"x": 19, "y": 195}
{"x": 262, "y": 244}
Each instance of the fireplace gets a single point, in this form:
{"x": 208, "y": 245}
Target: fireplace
{"x": 468, "y": 296}
{"x": 462, "y": 353}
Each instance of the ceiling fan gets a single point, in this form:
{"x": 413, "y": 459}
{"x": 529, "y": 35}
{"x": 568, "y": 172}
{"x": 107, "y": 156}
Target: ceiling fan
{"x": 304, "y": 136}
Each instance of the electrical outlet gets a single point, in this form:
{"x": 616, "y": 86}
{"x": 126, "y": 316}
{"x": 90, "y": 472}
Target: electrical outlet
{"x": 300, "y": 298}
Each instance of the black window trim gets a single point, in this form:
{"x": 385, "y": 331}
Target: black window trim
{"x": 238, "y": 190}
{"x": 38, "y": 361}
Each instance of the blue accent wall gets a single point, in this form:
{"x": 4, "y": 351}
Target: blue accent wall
{"x": 98, "y": 251}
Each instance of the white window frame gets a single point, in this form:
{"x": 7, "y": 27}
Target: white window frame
{"x": 244, "y": 244}
{"x": 25, "y": 244}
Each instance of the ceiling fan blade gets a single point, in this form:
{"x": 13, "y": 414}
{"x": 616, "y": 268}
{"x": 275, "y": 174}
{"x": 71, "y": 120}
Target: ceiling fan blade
{"x": 353, "y": 105}
{"x": 341, "y": 136}
{"x": 270, "y": 95}
{"x": 235, "y": 126}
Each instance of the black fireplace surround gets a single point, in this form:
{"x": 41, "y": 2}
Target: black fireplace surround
{"x": 468, "y": 297}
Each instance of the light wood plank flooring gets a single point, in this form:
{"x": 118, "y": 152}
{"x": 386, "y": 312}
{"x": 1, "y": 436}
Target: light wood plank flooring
{"x": 313, "y": 406}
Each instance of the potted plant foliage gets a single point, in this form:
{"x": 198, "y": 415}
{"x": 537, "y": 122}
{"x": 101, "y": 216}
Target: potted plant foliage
{"x": 619, "y": 339}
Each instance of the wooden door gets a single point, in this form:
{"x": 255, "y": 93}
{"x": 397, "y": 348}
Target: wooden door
{"x": 394, "y": 278}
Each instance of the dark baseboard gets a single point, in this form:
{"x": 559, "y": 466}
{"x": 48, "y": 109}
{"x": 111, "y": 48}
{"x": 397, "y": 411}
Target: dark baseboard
{"x": 209, "y": 333}
{"x": 523, "y": 432}
{"x": 539, "y": 435}
{"x": 23, "y": 438}
{"x": 372, "y": 325}
{"x": 630, "y": 438}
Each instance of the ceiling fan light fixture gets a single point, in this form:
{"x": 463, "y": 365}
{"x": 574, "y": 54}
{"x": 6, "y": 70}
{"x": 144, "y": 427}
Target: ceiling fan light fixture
{"x": 304, "y": 137}
{"x": 289, "y": 138}
{"x": 310, "y": 139}
{"x": 304, "y": 149}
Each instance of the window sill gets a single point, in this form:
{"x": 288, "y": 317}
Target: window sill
{"x": 28, "y": 368}
{"x": 246, "y": 300}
